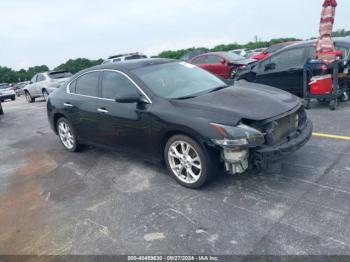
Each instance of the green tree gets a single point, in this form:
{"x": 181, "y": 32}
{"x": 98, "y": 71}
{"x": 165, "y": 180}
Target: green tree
{"x": 341, "y": 33}
{"x": 75, "y": 65}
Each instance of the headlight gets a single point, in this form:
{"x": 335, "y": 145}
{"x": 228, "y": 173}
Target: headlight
{"x": 238, "y": 136}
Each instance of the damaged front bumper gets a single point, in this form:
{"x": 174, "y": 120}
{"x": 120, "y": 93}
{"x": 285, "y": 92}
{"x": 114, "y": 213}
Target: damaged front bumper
{"x": 237, "y": 160}
{"x": 262, "y": 155}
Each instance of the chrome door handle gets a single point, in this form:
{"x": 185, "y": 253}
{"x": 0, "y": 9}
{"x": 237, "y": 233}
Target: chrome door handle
{"x": 68, "y": 104}
{"x": 102, "y": 110}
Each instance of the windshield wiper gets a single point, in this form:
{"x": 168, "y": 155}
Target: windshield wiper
{"x": 184, "y": 97}
{"x": 218, "y": 88}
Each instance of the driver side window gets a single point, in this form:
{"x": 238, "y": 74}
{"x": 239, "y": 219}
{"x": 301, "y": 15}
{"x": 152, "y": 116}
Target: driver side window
{"x": 200, "y": 60}
{"x": 214, "y": 59}
{"x": 114, "y": 84}
{"x": 293, "y": 58}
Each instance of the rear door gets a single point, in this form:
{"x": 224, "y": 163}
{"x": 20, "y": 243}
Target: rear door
{"x": 32, "y": 85}
{"x": 80, "y": 105}
{"x": 284, "y": 70}
{"x": 218, "y": 66}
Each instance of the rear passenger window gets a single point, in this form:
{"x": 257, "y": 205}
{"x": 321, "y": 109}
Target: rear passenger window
{"x": 87, "y": 84}
{"x": 114, "y": 84}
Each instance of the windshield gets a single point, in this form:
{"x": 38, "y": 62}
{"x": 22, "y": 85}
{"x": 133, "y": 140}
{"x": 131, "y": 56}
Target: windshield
{"x": 178, "y": 80}
{"x": 58, "y": 75}
{"x": 234, "y": 57}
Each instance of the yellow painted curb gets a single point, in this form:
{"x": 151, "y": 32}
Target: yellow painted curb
{"x": 331, "y": 136}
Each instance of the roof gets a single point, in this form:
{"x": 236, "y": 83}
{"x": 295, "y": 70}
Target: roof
{"x": 132, "y": 64}
{"x": 126, "y": 54}
{"x": 345, "y": 40}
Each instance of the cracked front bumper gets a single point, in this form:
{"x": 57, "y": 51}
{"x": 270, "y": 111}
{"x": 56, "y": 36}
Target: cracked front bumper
{"x": 263, "y": 155}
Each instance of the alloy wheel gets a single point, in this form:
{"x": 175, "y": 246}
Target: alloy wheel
{"x": 66, "y": 135}
{"x": 185, "y": 162}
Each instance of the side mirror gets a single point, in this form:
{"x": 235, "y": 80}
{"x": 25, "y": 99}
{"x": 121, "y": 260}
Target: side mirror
{"x": 270, "y": 66}
{"x": 132, "y": 97}
{"x": 222, "y": 61}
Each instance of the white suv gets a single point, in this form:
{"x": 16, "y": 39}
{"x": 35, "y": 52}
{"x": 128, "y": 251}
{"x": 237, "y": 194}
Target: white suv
{"x": 6, "y": 93}
{"x": 42, "y": 84}
{"x": 124, "y": 57}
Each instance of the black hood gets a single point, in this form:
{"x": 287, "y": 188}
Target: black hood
{"x": 244, "y": 100}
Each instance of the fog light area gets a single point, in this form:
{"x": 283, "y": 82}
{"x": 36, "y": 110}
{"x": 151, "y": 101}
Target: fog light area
{"x": 236, "y": 160}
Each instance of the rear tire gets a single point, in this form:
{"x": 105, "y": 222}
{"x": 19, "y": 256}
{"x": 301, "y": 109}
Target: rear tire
{"x": 29, "y": 98}
{"x": 67, "y": 135}
{"x": 1, "y": 110}
{"x": 188, "y": 162}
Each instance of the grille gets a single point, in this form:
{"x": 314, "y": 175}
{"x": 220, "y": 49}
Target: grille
{"x": 282, "y": 129}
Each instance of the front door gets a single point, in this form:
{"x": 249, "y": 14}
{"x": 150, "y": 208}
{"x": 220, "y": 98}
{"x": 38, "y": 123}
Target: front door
{"x": 37, "y": 89}
{"x": 218, "y": 66}
{"x": 284, "y": 70}
{"x": 124, "y": 126}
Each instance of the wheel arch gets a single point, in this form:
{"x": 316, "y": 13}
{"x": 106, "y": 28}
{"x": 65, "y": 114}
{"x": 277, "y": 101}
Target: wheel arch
{"x": 55, "y": 120}
{"x": 191, "y": 134}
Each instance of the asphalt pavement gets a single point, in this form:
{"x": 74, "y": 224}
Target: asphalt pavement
{"x": 102, "y": 202}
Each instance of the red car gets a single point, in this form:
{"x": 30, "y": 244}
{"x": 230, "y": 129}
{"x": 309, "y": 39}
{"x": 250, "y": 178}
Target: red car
{"x": 223, "y": 64}
{"x": 272, "y": 49}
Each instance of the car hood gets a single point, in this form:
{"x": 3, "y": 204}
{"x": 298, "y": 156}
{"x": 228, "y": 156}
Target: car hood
{"x": 244, "y": 61}
{"x": 244, "y": 100}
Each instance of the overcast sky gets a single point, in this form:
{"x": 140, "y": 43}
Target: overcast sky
{"x": 35, "y": 32}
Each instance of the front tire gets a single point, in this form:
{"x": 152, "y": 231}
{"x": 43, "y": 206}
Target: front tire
{"x": 13, "y": 98}
{"x": 188, "y": 162}
{"x": 29, "y": 98}
{"x": 67, "y": 135}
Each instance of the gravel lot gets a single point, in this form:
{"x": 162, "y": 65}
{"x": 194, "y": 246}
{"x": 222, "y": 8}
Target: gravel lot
{"x": 102, "y": 202}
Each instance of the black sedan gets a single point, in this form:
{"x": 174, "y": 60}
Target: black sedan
{"x": 176, "y": 113}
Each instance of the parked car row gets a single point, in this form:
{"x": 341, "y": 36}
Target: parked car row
{"x": 284, "y": 68}
{"x": 222, "y": 64}
{"x": 42, "y": 84}
{"x": 227, "y": 64}
{"x": 6, "y": 93}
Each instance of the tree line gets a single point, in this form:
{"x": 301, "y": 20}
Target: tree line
{"x": 8, "y": 75}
